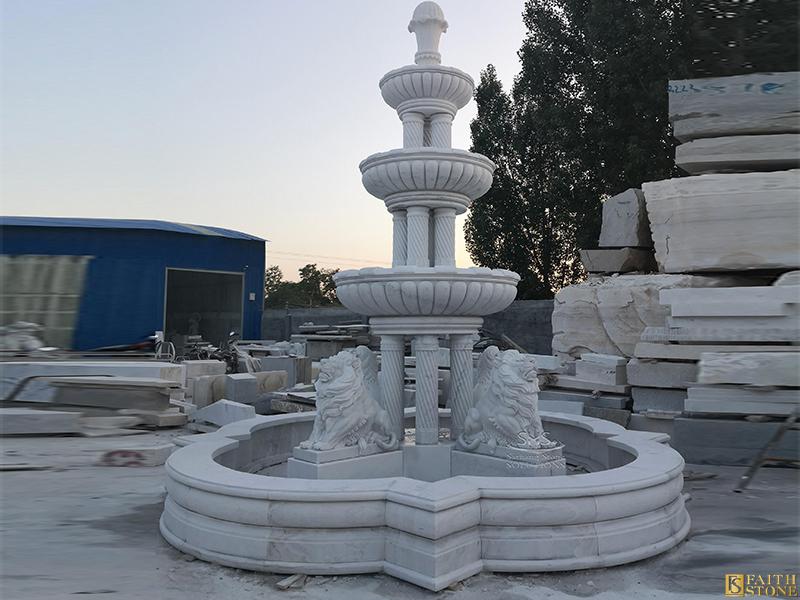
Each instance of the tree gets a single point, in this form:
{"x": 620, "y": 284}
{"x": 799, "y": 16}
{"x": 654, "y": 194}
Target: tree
{"x": 315, "y": 288}
{"x": 586, "y": 118}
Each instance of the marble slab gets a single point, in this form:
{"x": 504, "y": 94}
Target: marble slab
{"x": 739, "y": 153}
{"x": 751, "y": 368}
{"x": 725, "y": 222}
{"x": 758, "y": 103}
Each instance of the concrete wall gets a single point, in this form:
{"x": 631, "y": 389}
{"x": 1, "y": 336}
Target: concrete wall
{"x": 527, "y": 322}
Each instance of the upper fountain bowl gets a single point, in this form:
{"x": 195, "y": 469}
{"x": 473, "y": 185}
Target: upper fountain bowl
{"x": 427, "y": 89}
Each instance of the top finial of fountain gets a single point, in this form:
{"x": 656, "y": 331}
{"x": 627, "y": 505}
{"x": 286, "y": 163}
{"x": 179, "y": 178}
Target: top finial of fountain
{"x": 428, "y": 23}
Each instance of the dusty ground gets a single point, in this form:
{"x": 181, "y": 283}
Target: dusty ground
{"x": 77, "y": 529}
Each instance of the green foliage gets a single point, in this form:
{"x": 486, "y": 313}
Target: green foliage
{"x": 586, "y": 118}
{"x": 315, "y": 288}
{"x": 734, "y": 37}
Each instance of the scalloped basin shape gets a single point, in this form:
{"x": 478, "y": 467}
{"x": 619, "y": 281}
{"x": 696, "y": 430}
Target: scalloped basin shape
{"x": 431, "y": 291}
{"x": 416, "y": 82}
{"x": 431, "y": 534}
{"x": 427, "y": 170}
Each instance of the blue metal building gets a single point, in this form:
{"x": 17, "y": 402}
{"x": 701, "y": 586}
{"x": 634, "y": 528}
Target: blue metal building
{"x": 140, "y": 276}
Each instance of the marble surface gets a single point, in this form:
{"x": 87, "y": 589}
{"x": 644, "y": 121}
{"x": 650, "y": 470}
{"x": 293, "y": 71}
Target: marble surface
{"x": 726, "y": 222}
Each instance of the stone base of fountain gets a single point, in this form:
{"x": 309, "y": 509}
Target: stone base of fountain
{"x": 220, "y": 508}
{"x": 426, "y": 463}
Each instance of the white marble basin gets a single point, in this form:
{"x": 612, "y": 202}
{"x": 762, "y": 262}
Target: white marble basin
{"x": 629, "y": 507}
{"x": 426, "y": 291}
{"x": 434, "y": 172}
{"x": 425, "y": 82}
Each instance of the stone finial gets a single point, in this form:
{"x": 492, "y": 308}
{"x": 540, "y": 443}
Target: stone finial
{"x": 428, "y": 24}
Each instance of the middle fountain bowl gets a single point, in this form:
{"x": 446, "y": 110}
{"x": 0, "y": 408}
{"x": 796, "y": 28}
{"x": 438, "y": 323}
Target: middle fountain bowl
{"x": 427, "y": 176}
{"x": 426, "y": 291}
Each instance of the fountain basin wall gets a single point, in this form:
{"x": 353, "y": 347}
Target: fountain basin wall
{"x": 431, "y": 534}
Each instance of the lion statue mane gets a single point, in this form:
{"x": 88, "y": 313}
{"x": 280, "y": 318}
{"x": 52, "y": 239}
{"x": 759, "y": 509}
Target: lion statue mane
{"x": 349, "y": 411}
{"x": 505, "y": 408}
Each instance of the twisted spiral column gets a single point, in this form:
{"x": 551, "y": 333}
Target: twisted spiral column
{"x": 417, "y": 248}
{"x": 413, "y": 124}
{"x": 399, "y": 238}
{"x": 442, "y": 130}
{"x": 461, "y": 388}
{"x": 445, "y": 237}
{"x": 427, "y": 421}
{"x": 392, "y": 376}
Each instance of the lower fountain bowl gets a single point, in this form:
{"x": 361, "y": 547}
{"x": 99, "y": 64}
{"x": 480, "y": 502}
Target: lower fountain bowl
{"x": 426, "y": 291}
{"x": 628, "y": 507}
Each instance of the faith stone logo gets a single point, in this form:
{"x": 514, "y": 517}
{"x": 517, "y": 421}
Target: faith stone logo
{"x": 770, "y": 585}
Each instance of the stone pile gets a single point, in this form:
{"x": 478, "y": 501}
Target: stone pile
{"x": 726, "y": 244}
{"x": 625, "y": 242}
{"x": 723, "y": 363}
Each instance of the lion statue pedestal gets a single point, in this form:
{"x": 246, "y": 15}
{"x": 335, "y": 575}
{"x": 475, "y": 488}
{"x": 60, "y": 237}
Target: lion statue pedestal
{"x": 503, "y": 433}
{"x": 351, "y": 435}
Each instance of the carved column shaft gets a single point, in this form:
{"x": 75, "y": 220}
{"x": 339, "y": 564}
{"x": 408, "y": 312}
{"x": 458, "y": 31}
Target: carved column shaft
{"x": 461, "y": 387}
{"x": 427, "y": 395}
{"x": 399, "y": 238}
{"x": 442, "y": 130}
{"x": 445, "y": 237}
{"x": 392, "y": 376}
{"x": 413, "y": 124}
{"x": 417, "y": 249}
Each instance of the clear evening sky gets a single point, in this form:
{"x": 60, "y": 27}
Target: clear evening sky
{"x": 246, "y": 114}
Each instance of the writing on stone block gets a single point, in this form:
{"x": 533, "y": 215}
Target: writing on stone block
{"x": 767, "y": 87}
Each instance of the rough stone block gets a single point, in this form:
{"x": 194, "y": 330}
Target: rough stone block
{"x": 752, "y": 368}
{"x": 223, "y": 412}
{"x": 625, "y": 221}
{"x": 661, "y": 374}
{"x": 42, "y": 391}
{"x": 270, "y": 381}
{"x": 607, "y": 315}
{"x": 591, "y": 371}
{"x": 575, "y": 383}
{"x": 726, "y": 222}
{"x": 26, "y": 421}
{"x": 658, "y": 399}
{"x": 114, "y": 392}
{"x": 742, "y": 400}
{"x": 758, "y": 103}
{"x": 643, "y": 422}
{"x": 618, "y": 260}
{"x": 615, "y": 415}
{"x": 667, "y": 351}
{"x": 241, "y": 387}
{"x": 601, "y": 400}
{"x": 739, "y": 153}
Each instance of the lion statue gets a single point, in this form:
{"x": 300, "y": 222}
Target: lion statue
{"x": 505, "y": 408}
{"x": 349, "y": 412}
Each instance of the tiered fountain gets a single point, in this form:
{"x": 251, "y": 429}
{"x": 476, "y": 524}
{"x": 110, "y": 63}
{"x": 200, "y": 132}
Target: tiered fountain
{"x": 342, "y": 491}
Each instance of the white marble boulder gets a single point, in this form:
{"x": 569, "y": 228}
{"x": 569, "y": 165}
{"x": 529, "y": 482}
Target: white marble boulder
{"x": 726, "y": 222}
{"x": 625, "y": 223}
{"x": 607, "y": 315}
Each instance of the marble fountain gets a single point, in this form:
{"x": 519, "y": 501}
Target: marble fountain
{"x": 428, "y": 495}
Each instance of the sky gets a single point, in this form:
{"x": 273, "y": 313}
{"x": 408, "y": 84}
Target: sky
{"x": 246, "y": 114}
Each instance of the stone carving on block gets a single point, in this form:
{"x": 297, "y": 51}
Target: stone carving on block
{"x": 349, "y": 411}
{"x": 505, "y": 411}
